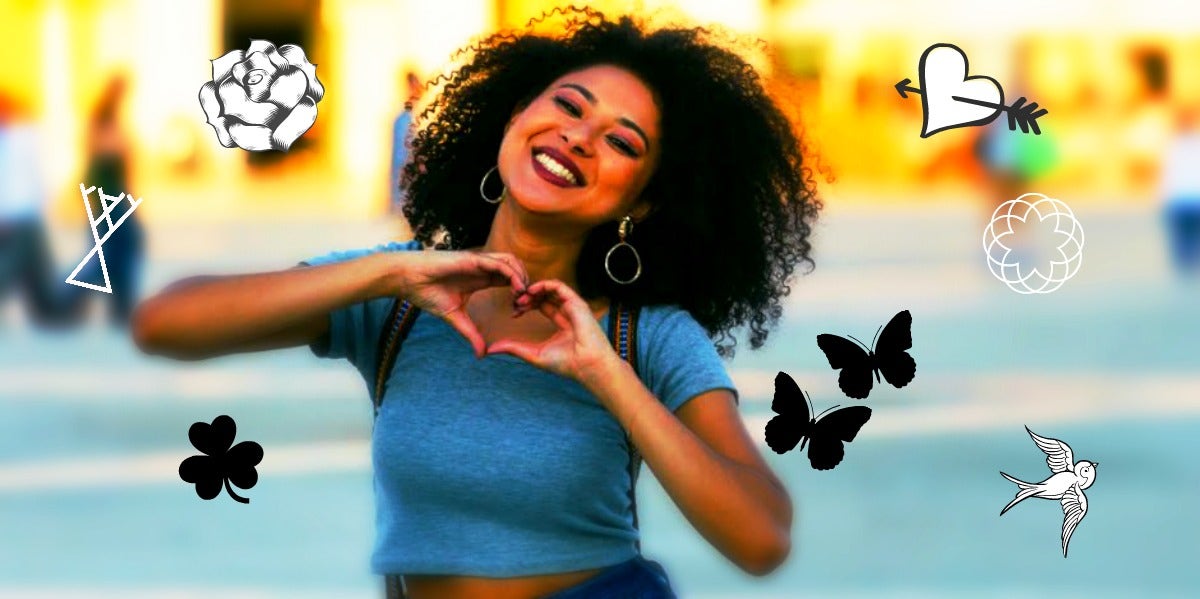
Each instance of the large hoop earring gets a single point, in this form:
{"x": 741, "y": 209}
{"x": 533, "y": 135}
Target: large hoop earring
{"x": 483, "y": 195}
{"x": 623, "y": 230}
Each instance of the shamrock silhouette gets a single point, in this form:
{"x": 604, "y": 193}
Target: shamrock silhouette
{"x": 222, "y": 463}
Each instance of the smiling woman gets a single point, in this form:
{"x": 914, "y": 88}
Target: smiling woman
{"x": 725, "y": 199}
{"x": 576, "y": 176}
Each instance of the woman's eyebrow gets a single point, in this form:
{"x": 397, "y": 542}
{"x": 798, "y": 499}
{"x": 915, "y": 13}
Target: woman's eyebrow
{"x": 591, "y": 98}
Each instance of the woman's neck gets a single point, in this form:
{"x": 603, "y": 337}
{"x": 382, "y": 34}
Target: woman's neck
{"x": 547, "y": 251}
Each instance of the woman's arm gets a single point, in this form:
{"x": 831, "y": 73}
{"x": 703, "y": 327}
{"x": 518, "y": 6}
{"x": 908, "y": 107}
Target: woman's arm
{"x": 708, "y": 464}
{"x": 207, "y": 316}
{"x": 704, "y": 458}
{"x": 203, "y": 317}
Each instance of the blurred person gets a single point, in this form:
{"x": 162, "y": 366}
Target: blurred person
{"x": 502, "y": 441}
{"x": 1180, "y": 190}
{"x": 26, "y": 257}
{"x": 108, "y": 169}
{"x": 1014, "y": 160}
{"x": 400, "y": 131}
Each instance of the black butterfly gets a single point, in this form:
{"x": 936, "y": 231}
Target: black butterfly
{"x": 825, "y": 436}
{"x": 889, "y": 357}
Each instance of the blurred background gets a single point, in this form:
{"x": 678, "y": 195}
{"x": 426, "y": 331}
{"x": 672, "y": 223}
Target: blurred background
{"x": 104, "y": 93}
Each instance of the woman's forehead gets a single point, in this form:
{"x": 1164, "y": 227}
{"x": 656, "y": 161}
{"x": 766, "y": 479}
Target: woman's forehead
{"x": 604, "y": 75}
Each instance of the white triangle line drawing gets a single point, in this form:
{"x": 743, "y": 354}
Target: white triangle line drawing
{"x": 94, "y": 222}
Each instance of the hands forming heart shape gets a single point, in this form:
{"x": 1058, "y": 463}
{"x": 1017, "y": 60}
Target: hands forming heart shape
{"x": 442, "y": 282}
{"x": 578, "y": 347}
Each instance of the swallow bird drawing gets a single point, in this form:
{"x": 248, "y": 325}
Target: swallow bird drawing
{"x": 1065, "y": 485}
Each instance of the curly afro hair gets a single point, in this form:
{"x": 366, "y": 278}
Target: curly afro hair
{"x": 732, "y": 202}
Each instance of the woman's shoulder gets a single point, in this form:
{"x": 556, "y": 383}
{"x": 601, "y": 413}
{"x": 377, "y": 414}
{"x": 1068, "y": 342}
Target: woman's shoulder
{"x": 398, "y": 246}
{"x": 343, "y": 255}
{"x": 666, "y": 321}
{"x": 662, "y": 311}
{"x": 677, "y": 358}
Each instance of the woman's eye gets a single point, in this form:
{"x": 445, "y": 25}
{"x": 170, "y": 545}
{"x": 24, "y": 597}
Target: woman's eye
{"x": 622, "y": 146}
{"x": 571, "y": 109}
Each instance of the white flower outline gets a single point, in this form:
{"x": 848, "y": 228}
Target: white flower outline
{"x": 262, "y": 99}
{"x": 1060, "y": 270}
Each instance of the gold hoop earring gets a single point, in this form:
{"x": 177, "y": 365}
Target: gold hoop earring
{"x": 503, "y": 189}
{"x": 623, "y": 230}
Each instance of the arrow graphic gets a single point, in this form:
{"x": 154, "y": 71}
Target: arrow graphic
{"x": 1019, "y": 115}
{"x": 903, "y": 87}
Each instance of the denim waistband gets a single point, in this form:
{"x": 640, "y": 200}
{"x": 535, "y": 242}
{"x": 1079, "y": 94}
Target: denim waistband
{"x": 635, "y": 578}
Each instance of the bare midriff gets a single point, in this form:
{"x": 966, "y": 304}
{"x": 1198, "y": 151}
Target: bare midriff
{"x": 530, "y": 587}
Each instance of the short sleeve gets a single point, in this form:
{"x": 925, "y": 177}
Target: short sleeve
{"x": 354, "y": 329}
{"x": 677, "y": 359}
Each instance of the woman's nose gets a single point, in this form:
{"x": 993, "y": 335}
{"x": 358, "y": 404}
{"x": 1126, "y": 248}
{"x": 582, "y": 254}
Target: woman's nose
{"x": 578, "y": 140}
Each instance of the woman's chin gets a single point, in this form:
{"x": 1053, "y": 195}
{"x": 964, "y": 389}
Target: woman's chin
{"x": 541, "y": 204}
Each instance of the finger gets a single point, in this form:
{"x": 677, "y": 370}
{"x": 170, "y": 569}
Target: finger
{"x": 545, "y": 288}
{"x": 520, "y": 350}
{"x": 562, "y": 294}
{"x": 556, "y": 314}
{"x": 501, "y": 272}
{"x": 461, "y": 323}
{"x": 564, "y": 298}
{"x": 516, "y": 265}
{"x": 513, "y": 269}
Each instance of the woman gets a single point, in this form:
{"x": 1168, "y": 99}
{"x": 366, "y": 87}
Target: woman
{"x": 498, "y": 451}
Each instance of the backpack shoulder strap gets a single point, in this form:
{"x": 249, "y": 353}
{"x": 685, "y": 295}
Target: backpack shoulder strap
{"x": 399, "y": 323}
{"x": 622, "y": 332}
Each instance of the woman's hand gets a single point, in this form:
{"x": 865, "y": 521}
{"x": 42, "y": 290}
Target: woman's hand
{"x": 578, "y": 347}
{"x": 440, "y": 283}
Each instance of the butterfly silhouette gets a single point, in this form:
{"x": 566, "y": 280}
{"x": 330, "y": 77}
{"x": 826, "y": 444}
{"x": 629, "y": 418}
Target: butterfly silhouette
{"x": 889, "y": 357}
{"x": 826, "y": 437}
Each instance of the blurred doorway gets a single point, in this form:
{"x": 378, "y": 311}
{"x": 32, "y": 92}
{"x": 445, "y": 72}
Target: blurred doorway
{"x": 279, "y": 22}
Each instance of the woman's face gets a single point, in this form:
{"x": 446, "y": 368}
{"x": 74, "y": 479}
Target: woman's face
{"x": 584, "y": 148}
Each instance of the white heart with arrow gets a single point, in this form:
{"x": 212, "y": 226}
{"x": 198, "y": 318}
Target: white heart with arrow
{"x": 952, "y": 99}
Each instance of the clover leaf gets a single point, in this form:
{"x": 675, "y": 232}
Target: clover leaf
{"x": 221, "y": 463}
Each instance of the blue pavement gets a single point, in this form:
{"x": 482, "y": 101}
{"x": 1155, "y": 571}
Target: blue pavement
{"x": 91, "y": 432}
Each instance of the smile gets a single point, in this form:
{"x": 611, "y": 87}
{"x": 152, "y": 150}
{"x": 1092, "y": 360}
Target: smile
{"x": 556, "y": 168}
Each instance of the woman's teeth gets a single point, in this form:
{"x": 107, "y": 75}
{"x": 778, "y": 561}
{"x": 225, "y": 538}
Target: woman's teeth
{"x": 553, "y": 166}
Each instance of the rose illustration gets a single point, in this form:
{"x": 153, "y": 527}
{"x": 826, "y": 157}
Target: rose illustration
{"x": 262, "y": 99}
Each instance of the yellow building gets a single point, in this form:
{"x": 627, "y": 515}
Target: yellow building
{"x": 1084, "y": 61}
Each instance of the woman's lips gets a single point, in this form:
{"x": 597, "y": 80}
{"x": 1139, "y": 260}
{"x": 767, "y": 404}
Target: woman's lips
{"x": 551, "y": 176}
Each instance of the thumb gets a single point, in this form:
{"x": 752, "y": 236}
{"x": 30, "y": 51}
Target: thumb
{"x": 462, "y": 323}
